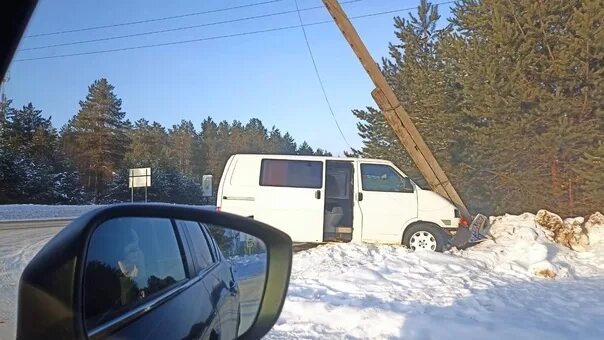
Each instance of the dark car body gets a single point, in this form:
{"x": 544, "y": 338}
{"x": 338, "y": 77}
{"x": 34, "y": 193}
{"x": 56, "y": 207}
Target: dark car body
{"x": 64, "y": 295}
{"x": 204, "y": 304}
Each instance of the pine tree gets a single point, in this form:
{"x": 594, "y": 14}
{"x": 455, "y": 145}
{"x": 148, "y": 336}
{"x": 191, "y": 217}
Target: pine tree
{"x": 32, "y": 169}
{"x": 28, "y": 131}
{"x": 590, "y": 180}
{"x": 149, "y": 146}
{"x": 169, "y": 185}
{"x": 211, "y": 147}
{"x": 185, "y": 148}
{"x": 289, "y": 146}
{"x": 256, "y": 137}
{"x": 305, "y": 149}
{"x": 4, "y": 108}
{"x": 508, "y": 97}
{"x": 99, "y": 136}
{"x": 532, "y": 111}
{"x": 419, "y": 78}
{"x": 321, "y": 152}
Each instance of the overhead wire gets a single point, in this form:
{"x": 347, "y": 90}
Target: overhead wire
{"x": 314, "y": 63}
{"x": 177, "y": 28}
{"x": 215, "y": 37}
{"x": 129, "y": 23}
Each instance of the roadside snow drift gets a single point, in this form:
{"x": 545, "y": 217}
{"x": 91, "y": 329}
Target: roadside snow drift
{"x": 34, "y": 211}
{"x": 521, "y": 284}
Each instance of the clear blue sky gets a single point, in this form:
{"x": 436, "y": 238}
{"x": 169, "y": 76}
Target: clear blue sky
{"x": 267, "y": 75}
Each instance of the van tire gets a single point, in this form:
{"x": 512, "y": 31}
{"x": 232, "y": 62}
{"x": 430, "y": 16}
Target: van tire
{"x": 431, "y": 231}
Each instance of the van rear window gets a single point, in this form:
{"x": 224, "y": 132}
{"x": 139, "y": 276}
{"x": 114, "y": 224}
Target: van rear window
{"x": 290, "y": 173}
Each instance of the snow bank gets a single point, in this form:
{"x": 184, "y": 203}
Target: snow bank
{"x": 521, "y": 246}
{"x": 517, "y": 245}
{"x": 520, "y": 284}
{"x": 595, "y": 228}
{"x": 33, "y": 211}
{"x": 569, "y": 232}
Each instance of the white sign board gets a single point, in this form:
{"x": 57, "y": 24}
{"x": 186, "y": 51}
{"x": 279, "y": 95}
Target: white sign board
{"x": 139, "y": 178}
{"x": 206, "y": 185}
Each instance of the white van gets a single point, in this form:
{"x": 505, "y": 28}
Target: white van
{"x": 322, "y": 199}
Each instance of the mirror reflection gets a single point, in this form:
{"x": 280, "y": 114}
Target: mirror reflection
{"x": 166, "y": 267}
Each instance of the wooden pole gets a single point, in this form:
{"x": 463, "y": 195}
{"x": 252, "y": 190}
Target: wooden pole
{"x": 395, "y": 114}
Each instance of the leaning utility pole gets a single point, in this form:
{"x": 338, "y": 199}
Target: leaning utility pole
{"x": 395, "y": 114}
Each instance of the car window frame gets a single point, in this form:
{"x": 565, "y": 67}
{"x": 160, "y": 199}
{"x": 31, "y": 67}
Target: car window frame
{"x": 197, "y": 270}
{"x": 213, "y": 245}
{"x": 119, "y": 318}
{"x": 395, "y": 170}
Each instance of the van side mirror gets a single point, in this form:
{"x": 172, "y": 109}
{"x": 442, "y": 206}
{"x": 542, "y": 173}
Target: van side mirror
{"x": 121, "y": 270}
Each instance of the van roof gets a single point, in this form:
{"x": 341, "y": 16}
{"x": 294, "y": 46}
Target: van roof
{"x": 308, "y": 157}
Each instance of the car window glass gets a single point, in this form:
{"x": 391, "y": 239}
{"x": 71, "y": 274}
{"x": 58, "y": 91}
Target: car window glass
{"x": 379, "y": 177}
{"x": 129, "y": 260}
{"x": 213, "y": 245}
{"x": 200, "y": 247}
{"x": 289, "y": 173}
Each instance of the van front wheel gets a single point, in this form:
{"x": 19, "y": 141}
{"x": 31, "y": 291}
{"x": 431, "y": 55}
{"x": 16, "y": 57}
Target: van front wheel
{"x": 427, "y": 237}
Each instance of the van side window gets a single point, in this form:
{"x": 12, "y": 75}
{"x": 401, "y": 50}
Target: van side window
{"x": 290, "y": 173}
{"x": 129, "y": 260}
{"x": 380, "y": 177}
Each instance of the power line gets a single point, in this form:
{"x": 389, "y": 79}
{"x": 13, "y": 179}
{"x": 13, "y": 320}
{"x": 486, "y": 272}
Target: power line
{"x": 314, "y": 64}
{"x": 176, "y": 29}
{"x": 152, "y": 20}
{"x": 216, "y": 37}
{"x": 160, "y": 44}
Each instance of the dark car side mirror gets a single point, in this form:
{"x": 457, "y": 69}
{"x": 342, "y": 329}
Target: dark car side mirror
{"x": 53, "y": 301}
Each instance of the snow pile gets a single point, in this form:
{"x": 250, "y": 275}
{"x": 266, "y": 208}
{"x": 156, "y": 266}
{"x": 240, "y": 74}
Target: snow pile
{"x": 521, "y": 284}
{"x": 595, "y": 228}
{"x": 517, "y": 245}
{"x": 569, "y": 233}
{"x": 520, "y": 244}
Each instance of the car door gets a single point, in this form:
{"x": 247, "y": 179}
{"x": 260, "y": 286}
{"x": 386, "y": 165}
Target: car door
{"x": 227, "y": 283}
{"x": 212, "y": 270}
{"x": 387, "y": 201}
{"x": 138, "y": 283}
{"x": 291, "y": 197}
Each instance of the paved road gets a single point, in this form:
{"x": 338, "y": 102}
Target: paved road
{"x": 250, "y": 291}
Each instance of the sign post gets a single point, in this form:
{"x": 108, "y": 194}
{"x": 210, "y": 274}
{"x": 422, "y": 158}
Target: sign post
{"x": 206, "y": 185}
{"x": 249, "y": 245}
{"x": 139, "y": 178}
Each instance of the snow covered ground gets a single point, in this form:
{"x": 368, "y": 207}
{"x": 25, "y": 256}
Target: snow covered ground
{"x": 17, "y": 248}
{"x": 487, "y": 292}
{"x": 499, "y": 289}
